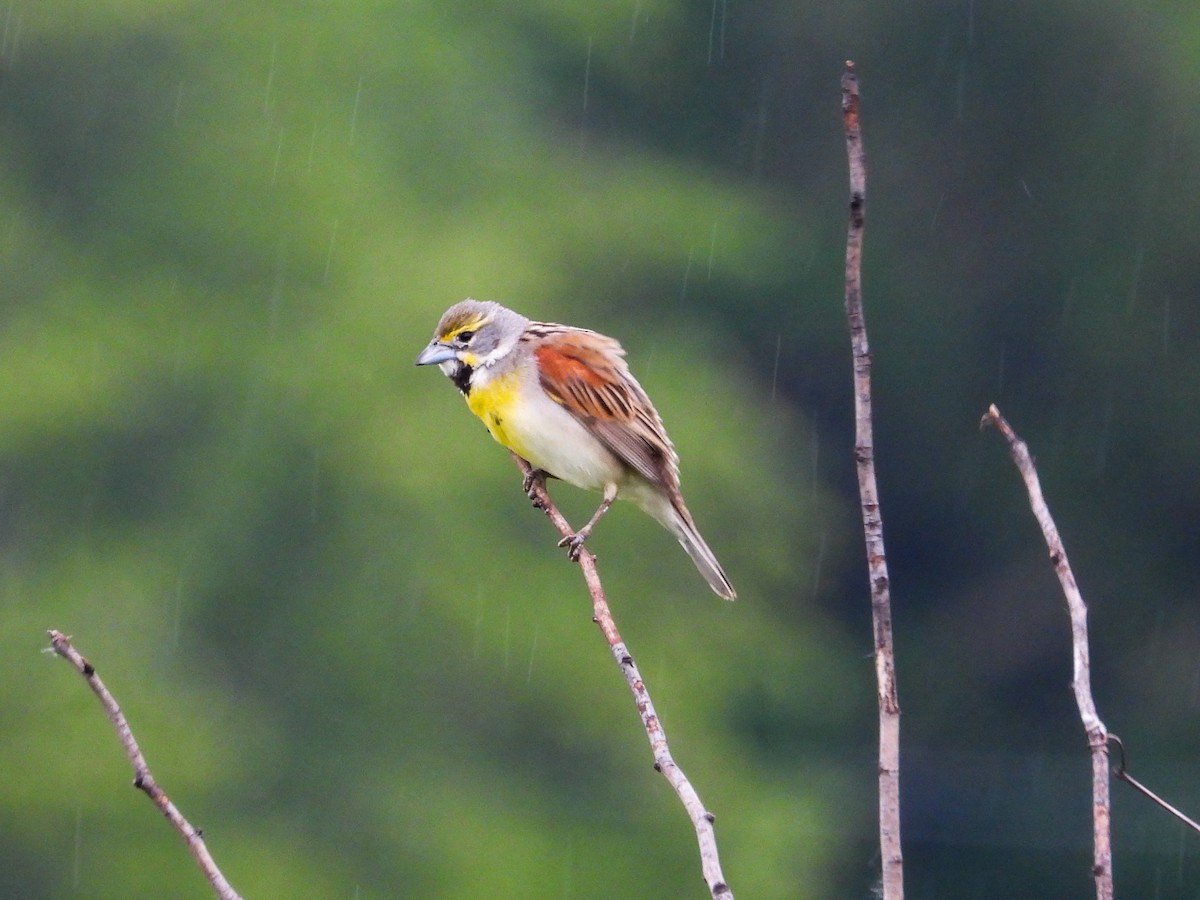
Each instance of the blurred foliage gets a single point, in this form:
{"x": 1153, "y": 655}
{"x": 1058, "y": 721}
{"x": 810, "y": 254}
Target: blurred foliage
{"x": 350, "y": 649}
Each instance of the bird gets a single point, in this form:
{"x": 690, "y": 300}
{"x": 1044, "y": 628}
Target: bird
{"x": 563, "y": 399}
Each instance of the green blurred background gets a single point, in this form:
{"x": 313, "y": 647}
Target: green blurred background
{"x": 350, "y": 649}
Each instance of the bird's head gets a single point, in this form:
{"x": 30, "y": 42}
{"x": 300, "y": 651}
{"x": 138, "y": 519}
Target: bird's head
{"x": 472, "y": 334}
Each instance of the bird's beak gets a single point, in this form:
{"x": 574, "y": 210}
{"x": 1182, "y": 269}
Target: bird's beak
{"x": 436, "y": 352}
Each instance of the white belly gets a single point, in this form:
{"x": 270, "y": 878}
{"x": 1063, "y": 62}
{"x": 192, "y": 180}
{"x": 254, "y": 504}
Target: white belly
{"x": 552, "y": 439}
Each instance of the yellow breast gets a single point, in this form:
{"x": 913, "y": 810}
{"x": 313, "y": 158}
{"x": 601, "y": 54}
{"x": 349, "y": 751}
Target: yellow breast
{"x": 529, "y": 422}
{"x": 495, "y": 403}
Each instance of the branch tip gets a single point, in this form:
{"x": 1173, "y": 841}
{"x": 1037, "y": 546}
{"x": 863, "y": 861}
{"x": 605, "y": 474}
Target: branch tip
{"x": 142, "y": 779}
{"x": 1081, "y": 683}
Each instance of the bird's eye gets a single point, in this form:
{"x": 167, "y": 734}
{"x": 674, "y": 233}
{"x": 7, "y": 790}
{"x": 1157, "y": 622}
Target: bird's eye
{"x": 465, "y": 336}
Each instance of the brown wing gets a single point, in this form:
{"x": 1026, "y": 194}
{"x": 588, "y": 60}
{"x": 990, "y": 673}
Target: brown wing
{"x": 586, "y": 373}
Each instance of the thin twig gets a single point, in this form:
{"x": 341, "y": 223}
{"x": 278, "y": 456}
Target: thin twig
{"x": 891, "y": 855}
{"x": 1081, "y": 680}
{"x": 664, "y": 762}
{"x": 142, "y": 779}
{"x": 1122, "y": 773}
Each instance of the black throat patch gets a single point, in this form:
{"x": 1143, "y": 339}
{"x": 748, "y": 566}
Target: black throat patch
{"x": 461, "y": 376}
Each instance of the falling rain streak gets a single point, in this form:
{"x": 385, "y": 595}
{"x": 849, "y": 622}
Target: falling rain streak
{"x": 960, "y": 91}
{"x": 477, "y": 644}
{"x": 1166, "y": 329}
{"x": 12, "y": 32}
{"x": 687, "y": 273}
{"x": 177, "y": 624}
{"x": 1105, "y": 438}
{"x": 270, "y": 78}
{"x": 312, "y": 150}
{"x": 818, "y": 564}
{"x": 329, "y": 252}
{"x": 815, "y": 486}
{"x": 314, "y": 491}
{"x": 937, "y": 211}
{"x": 75, "y": 862}
{"x": 276, "y": 299}
{"x": 354, "y": 113}
{"x": 587, "y": 74}
{"x": 712, "y": 250}
{"x": 1135, "y": 281}
{"x": 716, "y": 30}
{"x": 1068, "y": 302}
{"x": 507, "y": 635}
{"x": 775, "y": 369}
{"x": 278, "y": 156}
{"x": 532, "y": 649}
{"x": 179, "y": 354}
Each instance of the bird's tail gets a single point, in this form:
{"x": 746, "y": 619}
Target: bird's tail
{"x": 667, "y": 507}
{"x": 685, "y": 530}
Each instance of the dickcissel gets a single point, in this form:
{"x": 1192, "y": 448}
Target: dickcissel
{"x": 564, "y": 400}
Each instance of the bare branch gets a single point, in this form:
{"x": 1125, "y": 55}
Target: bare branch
{"x": 1081, "y": 681}
{"x": 664, "y": 762}
{"x": 142, "y": 779}
{"x": 891, "y": 854}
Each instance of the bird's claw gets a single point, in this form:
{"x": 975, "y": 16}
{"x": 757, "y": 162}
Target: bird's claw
{"x": 533, "y": 484}
{"x": 574, "y": 545}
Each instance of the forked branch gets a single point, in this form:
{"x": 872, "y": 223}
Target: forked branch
{"x": 1081, "y": 681}
{"x": 142, "y": 779}
{"x": 664, "y": 762}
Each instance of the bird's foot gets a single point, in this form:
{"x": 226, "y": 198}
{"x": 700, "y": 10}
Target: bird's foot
{"x": 574, "y": 544}
{"x": 533, "y": 484}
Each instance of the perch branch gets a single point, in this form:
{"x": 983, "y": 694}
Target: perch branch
{"x": 891, "y": 855}
{"x": 1081, "y": 681}
{"x": 702, "y": 819}
{"x": 142, "y": 779}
